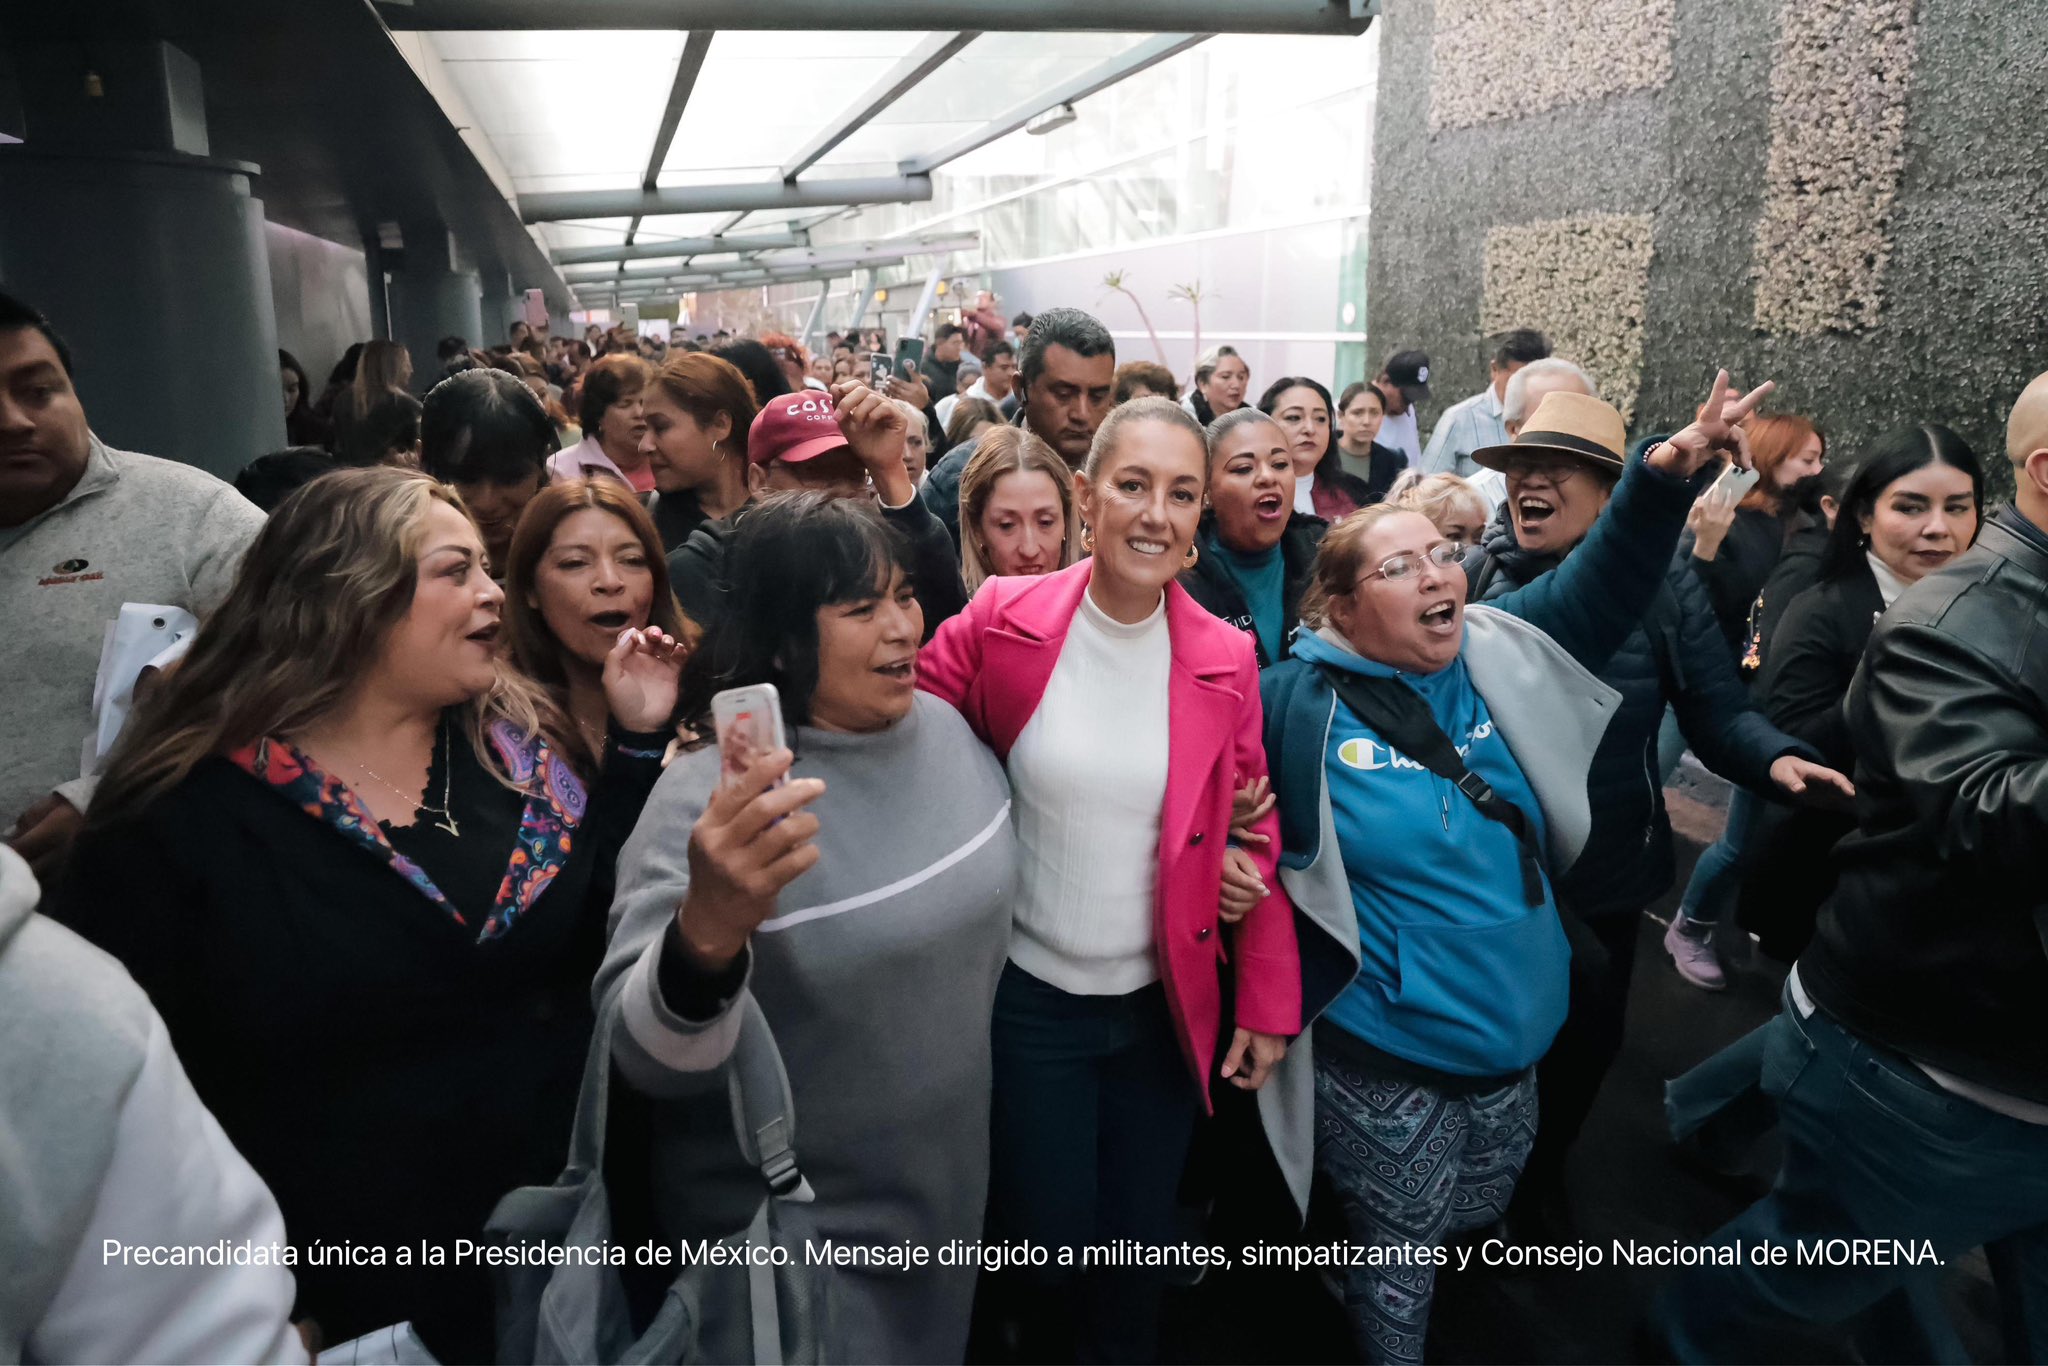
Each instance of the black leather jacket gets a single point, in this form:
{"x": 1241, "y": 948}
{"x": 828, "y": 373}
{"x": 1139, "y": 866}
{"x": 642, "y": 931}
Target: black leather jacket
{"x": 1933, "y": 944}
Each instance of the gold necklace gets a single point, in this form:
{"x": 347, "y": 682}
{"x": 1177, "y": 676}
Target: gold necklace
{"x": 420, "y": 807}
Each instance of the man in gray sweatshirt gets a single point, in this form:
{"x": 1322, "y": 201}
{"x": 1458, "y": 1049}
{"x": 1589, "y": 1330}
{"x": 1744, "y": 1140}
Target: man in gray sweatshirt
{"x": 83, "y": 529}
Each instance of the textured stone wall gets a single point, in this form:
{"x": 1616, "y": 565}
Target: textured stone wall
{"x": 1848, "y": 196}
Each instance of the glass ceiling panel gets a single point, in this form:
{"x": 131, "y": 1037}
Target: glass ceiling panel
{"x": 762, "y": 96}
{"x": 518, "y": 84}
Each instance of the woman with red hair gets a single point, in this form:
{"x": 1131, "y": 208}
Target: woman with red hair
{"x": 1734, "y": 550}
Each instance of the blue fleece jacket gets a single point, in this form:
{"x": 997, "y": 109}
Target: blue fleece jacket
{"x": 1457, "y": 971}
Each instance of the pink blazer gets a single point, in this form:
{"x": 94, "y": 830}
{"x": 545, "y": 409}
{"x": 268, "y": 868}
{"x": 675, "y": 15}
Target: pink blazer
{"x": 993, "y": 661}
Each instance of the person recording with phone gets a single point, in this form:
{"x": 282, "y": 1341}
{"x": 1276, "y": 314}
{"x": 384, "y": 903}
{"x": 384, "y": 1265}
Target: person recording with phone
{"x": 1733, "y": 550}
{"x": 767, "y": 886}
{"x": 360, "y": 864}
{"x": 1558, "y": 491}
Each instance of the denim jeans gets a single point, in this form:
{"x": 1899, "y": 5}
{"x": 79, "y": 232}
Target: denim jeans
{"x": 1721, "y": 1099}
{"x": 1093, "y": 1111}
{"x": 1717, "y": 877}
{"x": 1873, "y": 1150}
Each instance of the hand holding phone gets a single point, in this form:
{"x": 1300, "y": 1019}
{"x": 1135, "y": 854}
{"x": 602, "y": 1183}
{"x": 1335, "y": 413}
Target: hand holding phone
{"x": 747, "y": 724}
{"x": 754, "y": 837}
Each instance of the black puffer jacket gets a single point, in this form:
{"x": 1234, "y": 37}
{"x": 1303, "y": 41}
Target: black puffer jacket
{"x": 1680, "y": 656}
{"x": 1210, "y": 584}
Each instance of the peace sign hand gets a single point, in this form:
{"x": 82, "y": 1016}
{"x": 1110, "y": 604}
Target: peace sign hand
{"x": 1713, "y": 435}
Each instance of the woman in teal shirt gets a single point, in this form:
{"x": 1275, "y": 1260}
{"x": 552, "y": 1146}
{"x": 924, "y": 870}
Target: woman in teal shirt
{"x": 1256, "y": 550}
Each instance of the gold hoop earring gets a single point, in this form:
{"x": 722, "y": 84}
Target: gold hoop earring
{"x": 1193, "y": 556}
{"x": 1087, "y": 540}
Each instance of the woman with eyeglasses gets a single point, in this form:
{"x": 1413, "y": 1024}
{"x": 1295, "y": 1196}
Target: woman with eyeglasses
{"x": 1430, "y": 762}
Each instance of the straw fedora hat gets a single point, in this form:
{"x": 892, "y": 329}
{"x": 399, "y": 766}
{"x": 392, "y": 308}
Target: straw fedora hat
{"x": 1577, "y": 425}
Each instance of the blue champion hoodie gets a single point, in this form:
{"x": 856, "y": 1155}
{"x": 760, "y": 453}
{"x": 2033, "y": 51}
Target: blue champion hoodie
{"x": 1457, "y": 971}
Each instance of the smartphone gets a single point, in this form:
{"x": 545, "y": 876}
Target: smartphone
{"x": 879, "y": 372}
{"x": 1733, "y": 485}
{"x": 909, "y": 357}
{"x": 747, "y": 723}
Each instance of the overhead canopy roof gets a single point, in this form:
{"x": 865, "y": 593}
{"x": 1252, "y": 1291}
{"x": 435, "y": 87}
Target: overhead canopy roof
{"x": 621, "y": 135}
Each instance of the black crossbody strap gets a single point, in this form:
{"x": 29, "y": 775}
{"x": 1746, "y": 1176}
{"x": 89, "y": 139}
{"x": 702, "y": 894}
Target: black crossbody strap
{"x": 1402, "y": 719}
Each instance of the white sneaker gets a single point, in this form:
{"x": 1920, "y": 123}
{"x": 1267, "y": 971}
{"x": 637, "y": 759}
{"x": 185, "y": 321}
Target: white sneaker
{"x": 1691, "y": 947}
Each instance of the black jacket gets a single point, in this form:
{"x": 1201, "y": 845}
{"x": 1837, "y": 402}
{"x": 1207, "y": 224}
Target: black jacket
{"x": 1736, "y": 574}
{"x": 1677, "y": 656}
{"x": 696, "y": 569}
{"x": 676, "y": 515}
{"x": 1382, "y": 466}
{"x": 1809, "y": 659}
{"x": 1798, "y": 569}
{"x": 1933, "y": 943}
{"x": 387, "y": 1075}
{"x": 1210, "y": 584}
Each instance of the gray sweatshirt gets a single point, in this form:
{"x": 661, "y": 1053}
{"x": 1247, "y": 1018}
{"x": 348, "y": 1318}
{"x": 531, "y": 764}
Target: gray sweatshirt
{"x": 877, "y": 975}
{"x": 134, "y": 529}
{"x": 103, "y": 1138}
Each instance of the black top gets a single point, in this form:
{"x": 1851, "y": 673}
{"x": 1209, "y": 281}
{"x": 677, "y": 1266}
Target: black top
{"x": 1812, "y": 656}
{"x": 1737, "y": 572}
{"x": 1219, "y": 594}
{"x": 676, "y": 515}
{"x": 1932, "y": 943}
{"x": 388, "y": 1074}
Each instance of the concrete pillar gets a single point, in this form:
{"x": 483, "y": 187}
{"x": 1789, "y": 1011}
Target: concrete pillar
{"x": 146, "y": 254}
{"x": 432, "y": 296}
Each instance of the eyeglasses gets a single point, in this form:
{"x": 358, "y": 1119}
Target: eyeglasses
{"x": 1407, "y": 564}
{"x": 1550, "y": 469}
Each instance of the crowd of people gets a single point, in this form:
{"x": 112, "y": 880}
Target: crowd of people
{"x": 1176, "y": 785}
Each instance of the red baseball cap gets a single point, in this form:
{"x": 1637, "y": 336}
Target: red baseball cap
{"x": 794, "y": 428}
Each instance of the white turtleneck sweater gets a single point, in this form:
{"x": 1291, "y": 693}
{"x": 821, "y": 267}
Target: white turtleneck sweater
{"x": 1088, "y": 778}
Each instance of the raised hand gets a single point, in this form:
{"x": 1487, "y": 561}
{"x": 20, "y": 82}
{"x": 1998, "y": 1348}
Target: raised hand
{"x": 642, "y": 675}
{"x": 878, "y": 432}
{"x": 1709, "y": 521}
{"x": 1713, "y": 435}
{"x": 753, "y": 840}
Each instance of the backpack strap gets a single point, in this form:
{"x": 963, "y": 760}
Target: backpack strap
{"x": 1400, "y": 716}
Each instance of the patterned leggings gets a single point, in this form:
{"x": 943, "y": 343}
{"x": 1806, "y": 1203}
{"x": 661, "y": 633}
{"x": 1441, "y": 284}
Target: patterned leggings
{"x": 1412, "y": 1165}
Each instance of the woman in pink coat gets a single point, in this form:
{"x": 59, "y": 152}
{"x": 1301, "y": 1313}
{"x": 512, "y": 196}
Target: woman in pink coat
{"x": 1127, "y": 717}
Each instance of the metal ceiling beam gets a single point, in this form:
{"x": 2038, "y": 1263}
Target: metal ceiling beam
{"x": 928, "y": 56}
{"x": 678, "y": 246}
{"x": 846, "y": 255}
{"x": 774, "y": 194}
{"x": 694, "y": 50}
{"x": 701, "y": 286}
{"x": 692, "y": 61}
{"x": 1327, "y": 17}
{"x": 1096, "y": 79}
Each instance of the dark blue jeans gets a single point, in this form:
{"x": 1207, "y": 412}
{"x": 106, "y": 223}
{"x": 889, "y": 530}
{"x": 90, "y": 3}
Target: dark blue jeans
{"x": 1873, "y": 1150}
{"x": 1092, "y": 1117}
{"x": 1717, "y": 877}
